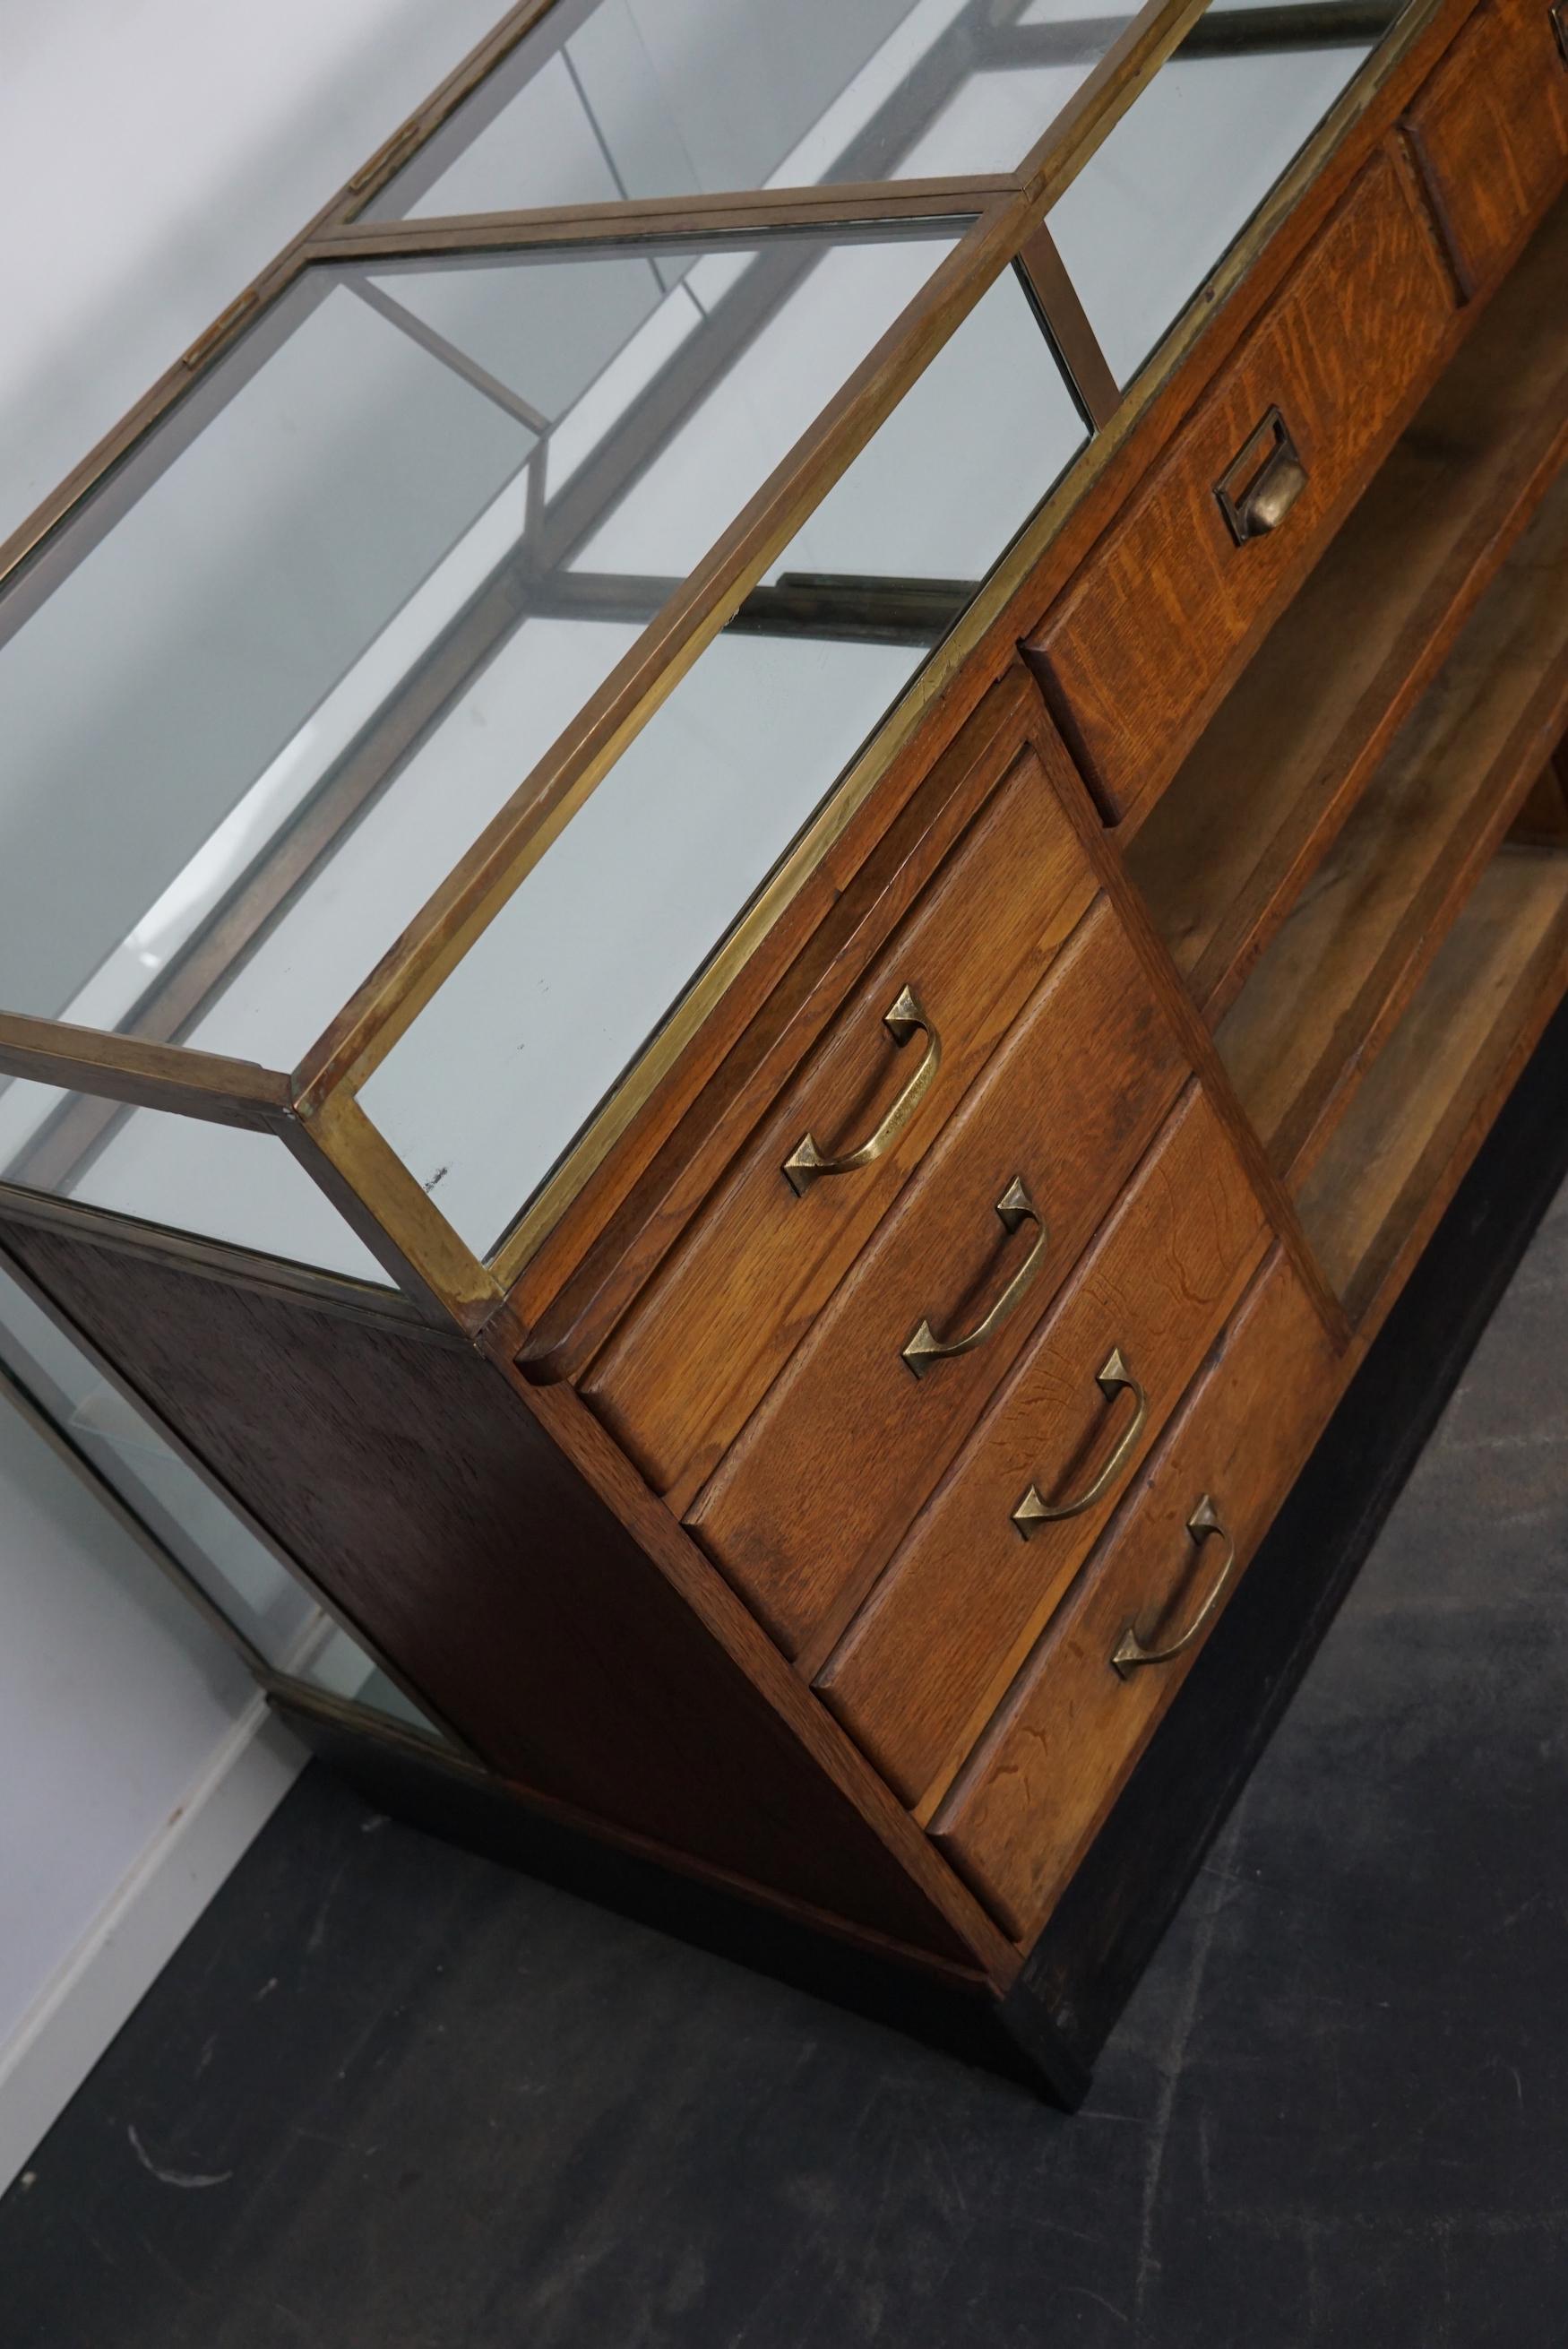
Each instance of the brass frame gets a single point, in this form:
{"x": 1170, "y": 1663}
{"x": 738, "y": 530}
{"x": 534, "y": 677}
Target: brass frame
{"x": 315, "y": 1109}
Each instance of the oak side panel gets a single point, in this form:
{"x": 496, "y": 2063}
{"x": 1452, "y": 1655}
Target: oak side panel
{"x": 421, "y": 1495}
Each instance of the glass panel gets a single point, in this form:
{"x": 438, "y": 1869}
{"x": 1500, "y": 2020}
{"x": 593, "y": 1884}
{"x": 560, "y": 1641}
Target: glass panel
{"x": 340, "y": 1669}
{"x": 223, "y": 675}
{"x": 199, "y": 1530}
{"x": 238, "y": 1572}
{"x": 513, "y": 1057}
{"x": 215, "y": 1182}
{"x": 668, "y": 98}
{"x": 1180, "y": 175}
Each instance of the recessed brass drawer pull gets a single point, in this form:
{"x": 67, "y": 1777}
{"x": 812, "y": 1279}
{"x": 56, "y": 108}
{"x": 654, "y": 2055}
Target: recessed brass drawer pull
{"x": 1016, "y": 1208}
{"x": 1559, "y": 16}
{"x": 1133, "y": 1653}
{"x": 1259, "y": 486}
{"x": 1033, "y": 1511}
{"x": 806, "y": 1163}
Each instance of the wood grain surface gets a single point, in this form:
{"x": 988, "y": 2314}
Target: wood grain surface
{"x": 1491, "y": 131}
{"x": 933, "y": 1652}
{"x": 807, "y": 1506}
{"x": 712, "y": 1333}
{"x": 1031, "y": 1799}
{"x": 1135, "y": 655}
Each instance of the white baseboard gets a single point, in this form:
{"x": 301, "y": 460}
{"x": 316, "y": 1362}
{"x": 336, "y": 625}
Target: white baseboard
{"x": 96, "y": 1987}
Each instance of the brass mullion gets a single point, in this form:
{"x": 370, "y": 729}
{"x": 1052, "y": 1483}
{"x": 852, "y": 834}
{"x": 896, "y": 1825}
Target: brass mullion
{"x": 1067, "y": 324}
{"x": 864, "y": 205}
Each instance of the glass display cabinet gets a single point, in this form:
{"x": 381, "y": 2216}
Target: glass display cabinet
{"x": 795, "y": 664}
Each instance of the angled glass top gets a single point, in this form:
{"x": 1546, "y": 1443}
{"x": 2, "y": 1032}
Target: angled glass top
{"x": 215, "y": 676}
{"x": 634, "y": 99}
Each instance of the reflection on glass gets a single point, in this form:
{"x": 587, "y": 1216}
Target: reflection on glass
{"x": 198, "y": 1529}
{"x": 1188, "y": 165}
{"x": 200, "y": 1532}
{"x": 335, "y": 1667}
{"x": 514, "y": 1054}
{"x": 245, "y": 1190}
{"x": 635, "y": 98}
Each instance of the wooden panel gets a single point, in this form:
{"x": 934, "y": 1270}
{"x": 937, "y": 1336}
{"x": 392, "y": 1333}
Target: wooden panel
{"x": 707, "y": 1340}
{"x": 1136, "y": 654}
{"x": 931, "y": 1656}
{"x": 1543, "y": 821}
{"x": 1424, "y": 1107}
{"x": 1030, "y": 1801}
{"x": 420, "y": 1492}
{"x": 808, "y": 1505}
{"x": 1345, "y": 964}
{"x": 1490, "y": 131}
{"x": 1262, "y": 794}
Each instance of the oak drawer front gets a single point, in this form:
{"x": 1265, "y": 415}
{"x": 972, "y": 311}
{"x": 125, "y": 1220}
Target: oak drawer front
{"x": 704, "y": 1345}
{"x": 1136, "y": 654}
{"x": 933, "y": 1651}
{"x": 1490, "y": 131}
{"x": 1029, "y": 1803}
{"x": 808, "y": 1505}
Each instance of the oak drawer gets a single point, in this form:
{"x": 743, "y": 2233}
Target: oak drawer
{"x": 710, "y": 1334}
{"x": 1490, "y": 131}
{"x": 808, "y": 1505}
{"x": 933, "y": 1652}
{"x": 1035, "y": 1794}
{"x": 1135, "y": 655}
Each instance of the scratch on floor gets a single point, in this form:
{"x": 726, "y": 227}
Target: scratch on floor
{"x": 187, "y": 2179}
{"x": 1186, "y": 2021}
{"x": 1099, "y": 2300}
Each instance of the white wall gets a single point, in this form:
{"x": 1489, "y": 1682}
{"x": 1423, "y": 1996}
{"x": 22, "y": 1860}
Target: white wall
{"x": 153, "y": 155}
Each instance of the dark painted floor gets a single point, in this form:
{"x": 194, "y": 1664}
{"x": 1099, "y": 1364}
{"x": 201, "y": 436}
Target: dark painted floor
{"x": 389, "y": 2095}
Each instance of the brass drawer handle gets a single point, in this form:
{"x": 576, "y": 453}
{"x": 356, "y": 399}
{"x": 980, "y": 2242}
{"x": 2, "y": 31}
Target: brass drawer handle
{"x": 1016, "y": 1208}
{"x": 1258, "y": 487}
{"x": 1559, "y": 16}
{"x": 1033, "y": 1512}
{"x": 1133, "y": 1653}
{"x": 806, "y": 1163}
